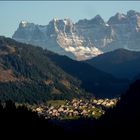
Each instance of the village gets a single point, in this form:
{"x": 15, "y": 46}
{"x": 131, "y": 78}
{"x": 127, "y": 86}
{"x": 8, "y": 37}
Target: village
{"x": 74, "y": 109}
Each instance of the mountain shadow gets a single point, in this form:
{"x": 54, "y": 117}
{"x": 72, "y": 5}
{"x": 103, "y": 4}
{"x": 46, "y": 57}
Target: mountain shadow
{"x": 93, "y": 80}
{"x": 120, "y": 63}
{"x": 22, "y": 122}
{"x": 31, "y": 74}
{"x": 123, "y": 121}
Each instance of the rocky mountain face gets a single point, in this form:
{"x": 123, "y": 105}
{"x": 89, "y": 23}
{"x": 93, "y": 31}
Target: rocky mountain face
{"x": 59, "y": 36}
{"x": 86, "y": 38}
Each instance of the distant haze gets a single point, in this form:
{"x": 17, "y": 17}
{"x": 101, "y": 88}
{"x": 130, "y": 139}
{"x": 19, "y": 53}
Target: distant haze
{"x": 11, "y": 13}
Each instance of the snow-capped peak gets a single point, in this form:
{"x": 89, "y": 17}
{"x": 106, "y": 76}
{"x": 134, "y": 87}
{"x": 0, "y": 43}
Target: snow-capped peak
{"x": 84, "y": 39}
{"x": 23, "y": 23}
{"x": 66, "y": 21}
{"x": 120, "y": 16}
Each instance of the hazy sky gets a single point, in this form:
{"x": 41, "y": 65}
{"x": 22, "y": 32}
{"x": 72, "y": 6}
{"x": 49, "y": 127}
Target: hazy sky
{"x": 11, "y": 13}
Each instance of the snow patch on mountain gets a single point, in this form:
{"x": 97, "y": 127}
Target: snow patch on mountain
{"x": 86, "y": 38}
{"x": 23, "y": 23}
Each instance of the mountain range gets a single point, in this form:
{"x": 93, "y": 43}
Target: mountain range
{"x": 121, "y": 63}
{"x": 40, "y": 63}
{"x": 86, "y": 38}
{"x": 32, "y": 74}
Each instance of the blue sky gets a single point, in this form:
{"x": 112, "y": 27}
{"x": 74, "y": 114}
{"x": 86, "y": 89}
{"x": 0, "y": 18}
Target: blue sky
{"x": 41, "y": 12}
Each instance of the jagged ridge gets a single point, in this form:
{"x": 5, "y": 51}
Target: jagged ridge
{"x": 86, "y": 38}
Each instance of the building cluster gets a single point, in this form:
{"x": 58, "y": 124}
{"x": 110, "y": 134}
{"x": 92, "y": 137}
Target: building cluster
{"x": 105, "y": 102}
{"x": 76, "y": 108}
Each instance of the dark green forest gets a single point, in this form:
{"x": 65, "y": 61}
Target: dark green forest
{"x": 30, "y": 76}
{"x": 122, "y": 121}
